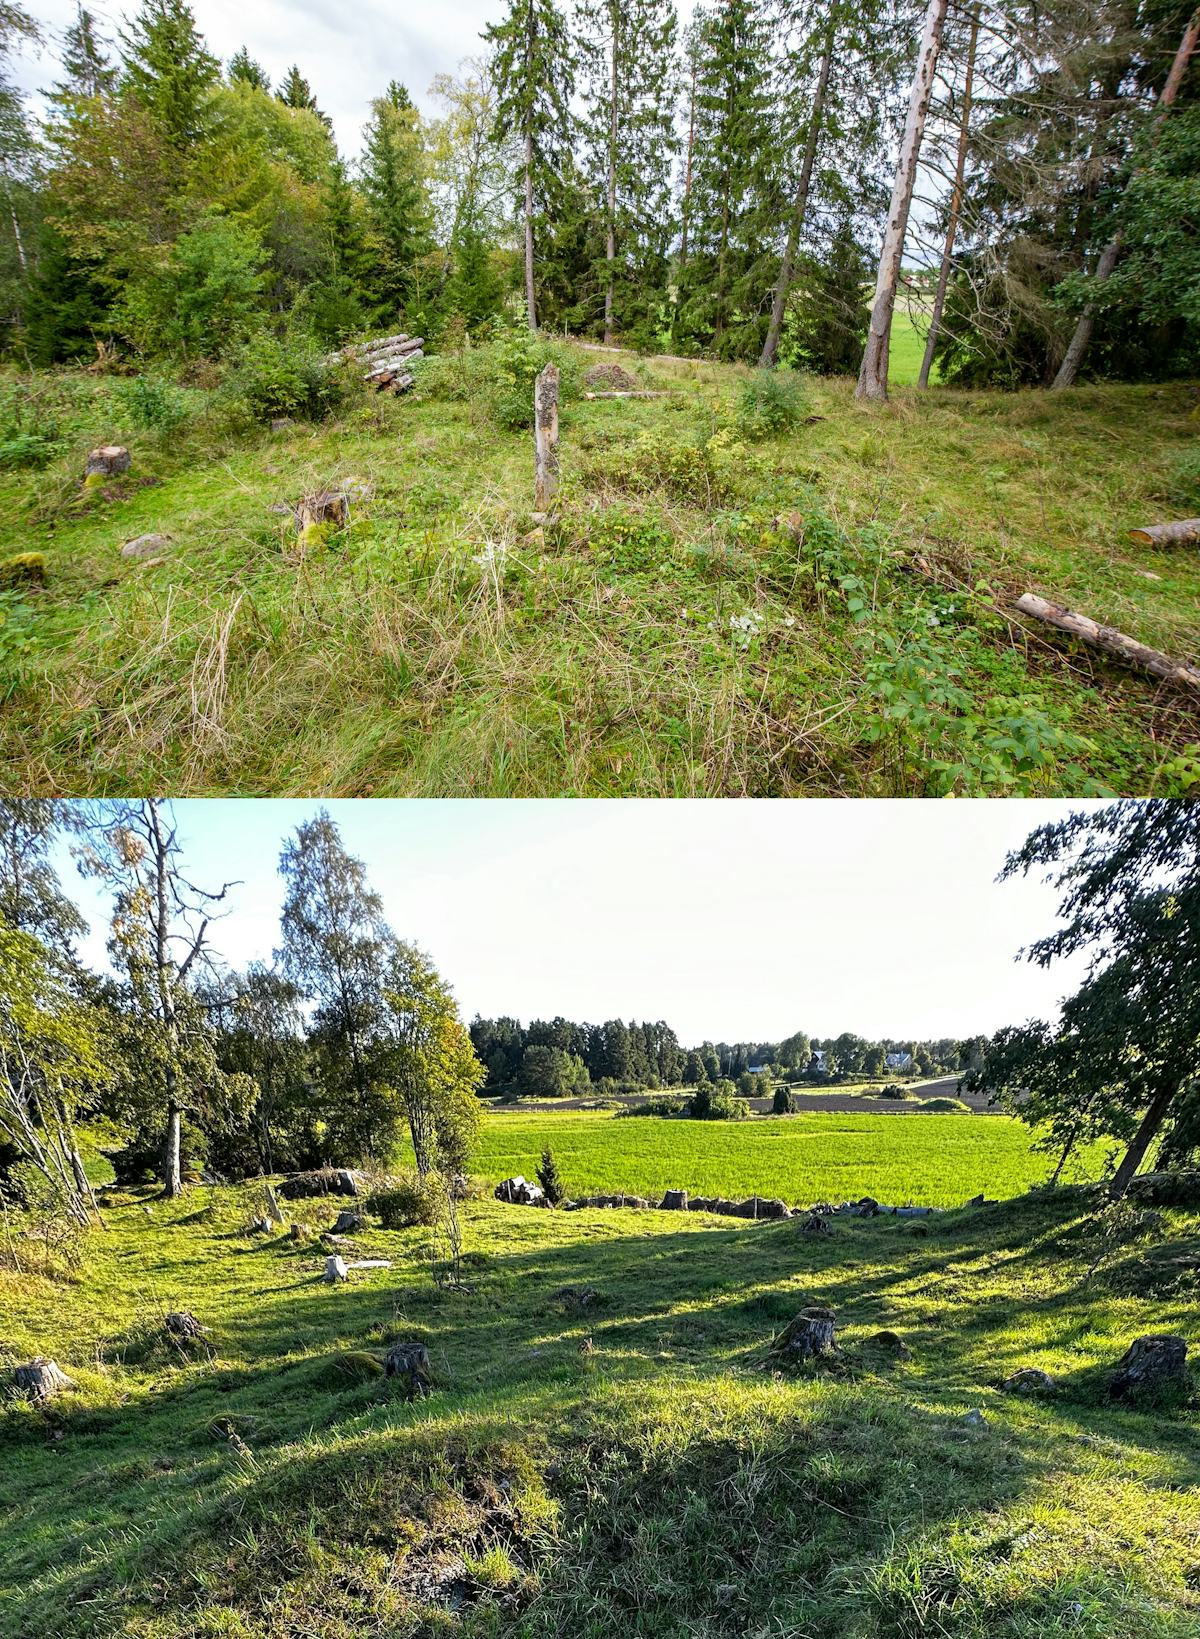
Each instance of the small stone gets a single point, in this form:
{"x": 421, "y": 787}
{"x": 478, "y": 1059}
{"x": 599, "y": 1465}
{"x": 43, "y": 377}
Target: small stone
{"x": 348, "y": 1223}
{"x": 1029, "y": 1380}
{"x": 1147, "y": 574}
{"x": 358, "y": 489}
{"x": 975, "y": 1418}
{"x": 536, "y": 538}
{"x": 282, "y": 423}
{"x": 145, "y": 546}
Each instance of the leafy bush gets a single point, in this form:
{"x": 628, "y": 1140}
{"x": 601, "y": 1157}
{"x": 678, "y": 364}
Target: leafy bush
{"x": 1182, "y": 488}
{"x": 409, "y": 1200}
{"x": 152, "y": 403}
{"x": 286, "y": 375}
{"x": 630, "y": 541}
{"x": 203, "y": 295}
{"x": 771, "y": 402}
{"x": 499, "y": 374}
{"x": 654, "y": 1106}
{"x": 717, "y": 1102}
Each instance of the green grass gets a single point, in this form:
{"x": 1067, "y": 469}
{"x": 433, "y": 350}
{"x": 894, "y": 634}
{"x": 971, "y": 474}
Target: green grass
{"x": 922, "y": 1160}
{"x": 441, "y": 646}
{"x": 635, "y": 1468}
{"x": 906, "y": 351}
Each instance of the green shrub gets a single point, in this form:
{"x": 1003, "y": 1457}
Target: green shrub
{"x": 655, "y": 1106}
{"x": 288, "y": 375}
{"x": 498, "y": 374}
{"x": 1182, "y": 488}
{"x": 201, "y": 297}
{"x": 152, "y": 403}
{"x": 770, "y": 403}
{"x": 28, "y": 449}
{"x": 696, "y": 473}
{"x": 783, "y": 1103}
{"x": 717, "y": 1102}
{"x": 410, "y": 1199}
{"x": 944, "y": 1106}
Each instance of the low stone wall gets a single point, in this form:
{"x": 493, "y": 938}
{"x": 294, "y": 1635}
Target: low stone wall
{"x": 759, "y": 1209}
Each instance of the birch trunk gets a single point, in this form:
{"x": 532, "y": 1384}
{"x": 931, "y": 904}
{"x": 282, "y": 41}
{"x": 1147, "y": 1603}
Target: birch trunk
{"x": 872, "y": 378}
{"x": 1068, "y": 370}
{"x": 800, "y": 208}
{"x": 960, "y": 165}
{"x": 164, "y": 977}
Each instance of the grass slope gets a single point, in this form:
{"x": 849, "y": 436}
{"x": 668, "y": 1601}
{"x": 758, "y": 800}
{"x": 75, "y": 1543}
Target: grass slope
{"x": 665, "y": 638}
{"x": 925, "y": 1160}
{"x": 631, "y": 1469}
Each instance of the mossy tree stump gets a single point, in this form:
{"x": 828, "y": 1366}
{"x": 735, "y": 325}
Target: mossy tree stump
{"x": 806, "y": 1336}
{"x": 41, "y": 1379}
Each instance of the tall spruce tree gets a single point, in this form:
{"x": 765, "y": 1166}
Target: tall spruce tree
{"x": 295, "y": 92}
{"x": 393, "y": 178}
{"x": 734, "y": 164}
{"x": 243, "y": 70}
{"x": 627, "y": 57}
{"x": 169, "y": 70}
{"x": 533, "y": 67}
{"x": 88, "y": 70}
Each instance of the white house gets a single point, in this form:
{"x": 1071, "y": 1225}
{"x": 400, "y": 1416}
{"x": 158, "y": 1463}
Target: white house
{"x": 898, "y": 1061}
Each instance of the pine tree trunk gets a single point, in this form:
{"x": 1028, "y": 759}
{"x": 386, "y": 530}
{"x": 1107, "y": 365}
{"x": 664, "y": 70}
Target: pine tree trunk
{"x": 1068, "y": 370}
{"x": 1136, "y": 1153}
{"x": 530, "y": 297}
{"x": 872, "y": 378}
{"x": 960, "y": 165}
{"x": 800, "y": 208}
{"x": 687, "y": 179}
{"x": 611, "y": 248}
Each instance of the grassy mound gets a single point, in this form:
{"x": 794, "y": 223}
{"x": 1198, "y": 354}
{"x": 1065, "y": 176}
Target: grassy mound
{"x": 822, "y": 609}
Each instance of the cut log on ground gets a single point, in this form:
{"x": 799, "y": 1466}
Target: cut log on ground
{"x": 545, "y": 434}
{"x": 41, "y": 1379}
{"x": 1186, "y": 532}
{"x": 1109, "y": 641}
{"x": 1150, "y": 1366}
{"x": 808, "y": 1335}
{"x": 628, "y": 395}
{"x": 387, "y": 360}
{"x": 409, "y": 1362}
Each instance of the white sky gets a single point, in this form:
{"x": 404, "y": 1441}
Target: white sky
{"x": 347, "y": 52}
{"x": 732, "y": 920}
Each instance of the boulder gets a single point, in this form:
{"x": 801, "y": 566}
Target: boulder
{"x": 1150, "y": 1366}
{"x": 145, "y": 546}
{"x": 325, "y": 1181}
{"x": 348, "y": 1222}
{"x": 891, "y": 1343}
{"x": 41, "y": 1379}
{"x": 1029, "y": 1380}
{"x": 675, "y": 1200}
{"x": 815, "y": 1224}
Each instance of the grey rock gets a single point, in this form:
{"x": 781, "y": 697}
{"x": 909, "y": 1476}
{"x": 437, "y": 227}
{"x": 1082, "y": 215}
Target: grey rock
{"x": 146, "y": 546}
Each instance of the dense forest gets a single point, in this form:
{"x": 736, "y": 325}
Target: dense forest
{"x": 721, "y": 188}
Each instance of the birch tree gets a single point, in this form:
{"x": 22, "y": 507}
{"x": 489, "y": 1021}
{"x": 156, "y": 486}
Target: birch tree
{"x": 872, "y": 378}
{"x": 955, "y": 207}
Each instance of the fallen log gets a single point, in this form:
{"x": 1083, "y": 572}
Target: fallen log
{"x": 393, "y": 365}
{"x": 627, "y": 395}
{"x": 1184, "y": 532}
{"x": 1109, "y": 640}
{"x": 360, "y": 349}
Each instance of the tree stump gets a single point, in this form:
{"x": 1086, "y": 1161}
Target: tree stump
{"x": 326, "y": 508}
{"x": 108, "y": 461}
{"x": 410, "y": 1363}
{"x": 182, "y": 1327}
{"x": 41, "y": 1379}
{"x": 816, "y": 1224}
{"x": 808, "y": 1335}
{"x": 1150, "y": 1365}
{"x": 335, "y": 1270}
{"x": 545, "y": 434}
{"x": 675, "y": 1200}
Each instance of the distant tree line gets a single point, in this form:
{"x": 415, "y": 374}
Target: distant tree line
{"x": 559, "y": 1058}
{"x": 1024, "y": 174}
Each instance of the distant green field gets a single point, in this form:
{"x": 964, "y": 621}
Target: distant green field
{"x": 928, "y": 1160}
{"x": 907, "y": 350}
